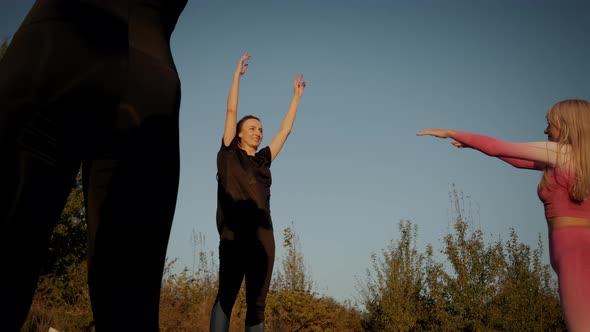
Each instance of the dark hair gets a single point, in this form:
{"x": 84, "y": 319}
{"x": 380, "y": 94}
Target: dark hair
{"x": 241, "y": 123}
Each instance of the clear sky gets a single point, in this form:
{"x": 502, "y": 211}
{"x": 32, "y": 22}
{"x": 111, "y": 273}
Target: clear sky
{"x": 377, "y": 72}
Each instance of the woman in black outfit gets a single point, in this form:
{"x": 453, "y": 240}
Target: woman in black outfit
{"x": 246, "y": 247}
{"x": 91, "y": 83}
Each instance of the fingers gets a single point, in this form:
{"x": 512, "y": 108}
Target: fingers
{"x": 298, "y": 81}
{"x": 242, "y": 66}
{"x": 244, "y": 57}
{"x": 243, "y": 69}
{"x": 423, "y": 132}
{"x": 441, "y": 133}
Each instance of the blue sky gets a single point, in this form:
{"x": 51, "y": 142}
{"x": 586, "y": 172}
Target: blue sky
{"x": 377, "y": 72}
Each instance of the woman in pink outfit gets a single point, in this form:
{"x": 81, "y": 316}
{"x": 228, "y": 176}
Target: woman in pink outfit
{"x": 563, "y": 189}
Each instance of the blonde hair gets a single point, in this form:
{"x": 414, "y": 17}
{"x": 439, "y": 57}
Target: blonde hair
{"x": 572, "y": 118}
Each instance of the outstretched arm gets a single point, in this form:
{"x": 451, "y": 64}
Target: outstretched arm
{"x": 534, "y": 155}
{"x": 279, "y": 140}
{"x": 516, "y": 162}
{"x": 231, "y": 115}
{"x": 522, "y": 163}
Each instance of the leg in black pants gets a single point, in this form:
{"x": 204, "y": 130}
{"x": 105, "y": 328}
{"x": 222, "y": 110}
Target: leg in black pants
{"x": 71, "y": 95}
{"x": 131, "y": 189}
{"x": 250, "y": 256}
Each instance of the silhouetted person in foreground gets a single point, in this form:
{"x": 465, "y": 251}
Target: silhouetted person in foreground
{"x": 91, "y": 83}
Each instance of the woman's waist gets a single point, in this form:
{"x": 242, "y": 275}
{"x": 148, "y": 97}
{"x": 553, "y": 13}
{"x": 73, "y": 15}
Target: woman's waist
{"x": 109, "y": 10}
{"x": 554, "y": 223}
{"x": 110, "y": 29}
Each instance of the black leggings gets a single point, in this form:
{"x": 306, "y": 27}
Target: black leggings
{"x": 93, "y": 91}
{"x": 250, "y": 256}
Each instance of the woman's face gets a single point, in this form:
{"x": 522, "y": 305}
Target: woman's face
{"x": 552, "y": 132}
{"x": 251, "y": 133}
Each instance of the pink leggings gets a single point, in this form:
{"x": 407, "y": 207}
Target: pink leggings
{"x": 569, "y": 249}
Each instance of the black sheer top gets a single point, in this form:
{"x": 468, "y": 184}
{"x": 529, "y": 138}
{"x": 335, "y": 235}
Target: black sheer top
{"x": 243, "y": 195}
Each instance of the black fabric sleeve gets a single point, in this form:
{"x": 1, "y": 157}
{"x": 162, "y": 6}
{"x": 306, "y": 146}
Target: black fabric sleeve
{"x": 232, "y": 145}
{"x": 266, "y": 154}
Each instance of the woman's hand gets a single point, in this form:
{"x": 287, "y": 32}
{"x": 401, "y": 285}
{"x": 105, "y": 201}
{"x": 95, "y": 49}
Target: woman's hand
{"x": 442, "y": 133}
{"x": 242, "y": 65}
{"x": 298, "y": 85}
{"x": 436, "y": 132}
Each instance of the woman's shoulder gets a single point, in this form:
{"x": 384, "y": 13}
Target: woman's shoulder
{"x": 265, "y": 154}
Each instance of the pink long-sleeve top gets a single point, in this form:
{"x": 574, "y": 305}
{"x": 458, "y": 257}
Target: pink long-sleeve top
{"x": 534, "y": 155}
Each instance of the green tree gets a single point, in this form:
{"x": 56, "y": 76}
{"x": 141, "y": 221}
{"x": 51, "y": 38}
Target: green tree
{"x": 475, "y": 268}
{"x": 392, "y": 295}
{"x": 67, "y": 244}
{"x": 527, "y": 297}
{"x": 293, "y": 275}
{"x": 499, "y": 285}
{"x": 438, "y": 314}
{"x": 478, "y": 286}
{"x": 60, "y": 280}
{"x": 291, "y": 303}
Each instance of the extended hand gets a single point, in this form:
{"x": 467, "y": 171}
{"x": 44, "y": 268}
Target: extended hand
{"x": 242, "y": 65}
{"x": 298, "y": 85}
{"x": 436, "y": 132}
{"x": 442, "y": 133}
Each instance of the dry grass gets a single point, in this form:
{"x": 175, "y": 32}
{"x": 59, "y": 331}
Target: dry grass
{"x": 186, "y": 303}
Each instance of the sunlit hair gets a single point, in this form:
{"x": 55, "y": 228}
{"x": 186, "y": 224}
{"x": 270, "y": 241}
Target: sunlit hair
{"x": 241, "y": 124}
{"x": 572, "y": 118}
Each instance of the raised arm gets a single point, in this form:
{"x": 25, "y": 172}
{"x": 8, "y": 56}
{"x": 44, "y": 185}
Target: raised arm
{"x": 231, "y": 115}
{"x": 279, "y": 140}
{"x": 534, "y": 155}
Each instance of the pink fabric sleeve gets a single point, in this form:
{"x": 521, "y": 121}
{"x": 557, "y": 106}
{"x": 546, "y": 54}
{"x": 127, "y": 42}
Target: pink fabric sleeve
{"x": 516, "y": 154}
{"x": 522, "y": 163}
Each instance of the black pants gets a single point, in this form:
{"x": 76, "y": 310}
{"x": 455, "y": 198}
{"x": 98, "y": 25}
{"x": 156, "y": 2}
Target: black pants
{"x": 105, "y": 95}
{"x": 250, "y": 255}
